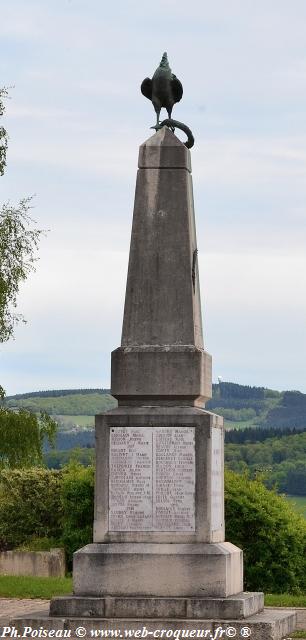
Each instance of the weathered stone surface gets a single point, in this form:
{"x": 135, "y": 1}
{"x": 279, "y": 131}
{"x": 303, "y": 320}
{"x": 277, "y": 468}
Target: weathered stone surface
{"x": 33, "y": 563}
{"x": 267, "y": 625}
{"x": 233, "y": 607}
{"x": 300, "y": 615}
{"x": 77, "y": 606}
{"x": 119, "y": 607}
{"x": 164, "y": 150}
{"x": 147, "y": 569}
{"x": 162, "y": 355}
{"x": 161, "y": 375}
{"x": 161, "y": 307}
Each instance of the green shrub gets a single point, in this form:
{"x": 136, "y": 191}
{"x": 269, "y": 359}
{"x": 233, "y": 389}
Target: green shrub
{"x": 40, "y": 508}
{"x": 77, "y": 496}
{"x": 39, "y": 544}
{"x": 271, "y": 534}
{"x": 30, "y": 505}
{"x": 36, "y": 504}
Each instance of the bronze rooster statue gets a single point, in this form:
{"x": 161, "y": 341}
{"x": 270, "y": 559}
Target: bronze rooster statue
{"x": 164, "y": 90}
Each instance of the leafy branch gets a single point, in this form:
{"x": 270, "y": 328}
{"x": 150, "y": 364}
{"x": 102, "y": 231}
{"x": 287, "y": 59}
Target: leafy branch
{"x": 18, "y": 245}
{"x": 3, "y": 133}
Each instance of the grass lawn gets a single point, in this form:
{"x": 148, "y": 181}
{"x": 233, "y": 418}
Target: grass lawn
{"x": 29, "y": 587}
{"x": 285, "y": 600}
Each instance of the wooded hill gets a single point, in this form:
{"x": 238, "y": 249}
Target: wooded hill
{"x": 280, "y": 461}
{"x": 68, "y": 402}
{"x": 242, "y": 406}
{"x": 258, "y": 407}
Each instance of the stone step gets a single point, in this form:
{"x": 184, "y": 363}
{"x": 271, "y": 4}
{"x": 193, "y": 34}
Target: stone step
{"x": 240, "y": 606}
{"x": 267, "y": 625}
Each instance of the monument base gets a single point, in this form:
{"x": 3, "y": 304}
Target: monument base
{"x": 266, "y": 625}
{"x": 241, "y": 606}
{"x": 158, "y": 570}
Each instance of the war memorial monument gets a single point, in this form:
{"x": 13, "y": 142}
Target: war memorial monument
{"x": 159, "y": 560}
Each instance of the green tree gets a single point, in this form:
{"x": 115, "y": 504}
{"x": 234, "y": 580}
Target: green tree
{"x": 21, "y": 433}
{"x": 18, "y": 244}
{"x": 22, "y": 436}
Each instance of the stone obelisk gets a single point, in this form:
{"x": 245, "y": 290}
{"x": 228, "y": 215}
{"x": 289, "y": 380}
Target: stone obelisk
{"x": 159, "y": 518}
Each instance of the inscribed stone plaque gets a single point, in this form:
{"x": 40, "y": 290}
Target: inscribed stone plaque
{"x": 173, "y": 479}
{"x": 216, "y": 480}
{"x": 130, "y": 479}
{"x": 152, "y": 479}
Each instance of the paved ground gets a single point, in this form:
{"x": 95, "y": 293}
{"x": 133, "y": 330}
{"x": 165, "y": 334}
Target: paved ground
{"x": 11, "y": 607}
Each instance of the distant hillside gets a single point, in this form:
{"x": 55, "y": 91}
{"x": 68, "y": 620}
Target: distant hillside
{"x": 243, "y": 407}
{"x": 53, "y": 393}
{"x": 67, "y": 403}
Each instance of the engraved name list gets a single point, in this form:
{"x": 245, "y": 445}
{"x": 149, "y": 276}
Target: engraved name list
{"x": 152, "y": 479}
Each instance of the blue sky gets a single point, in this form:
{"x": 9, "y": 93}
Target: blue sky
{"x": 76, "y": 118}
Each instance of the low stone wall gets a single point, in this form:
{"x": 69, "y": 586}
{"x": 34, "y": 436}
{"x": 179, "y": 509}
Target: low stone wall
{"x": 33, "y": 563}
{"x": 300, "y": 615}
{"x": 301, "y": 618}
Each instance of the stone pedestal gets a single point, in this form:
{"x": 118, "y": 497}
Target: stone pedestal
{"x": 159, "y": 511}
{"x": 159, "y": 554}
